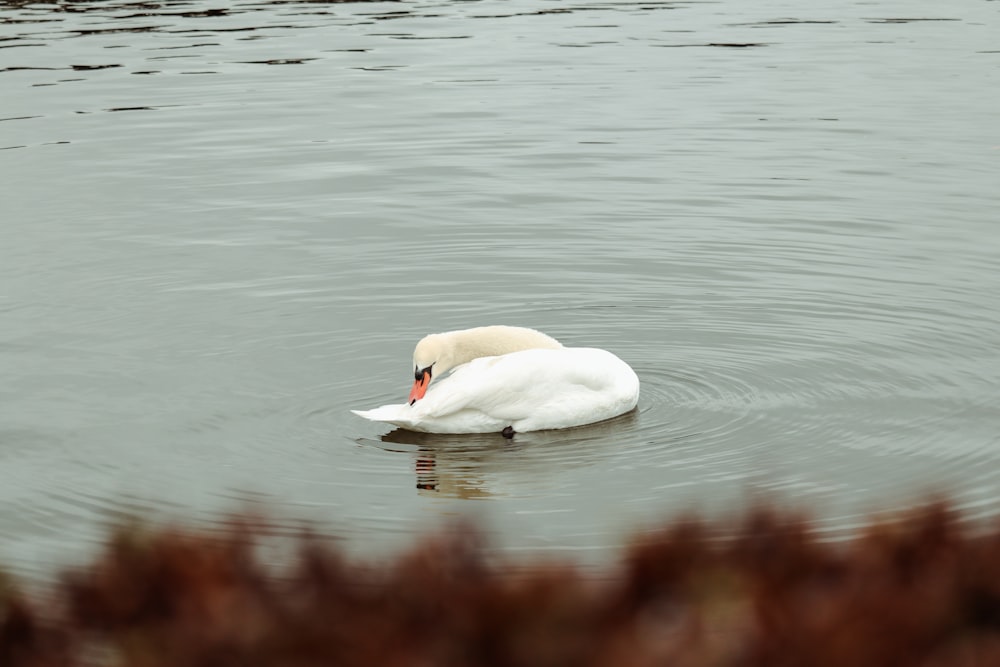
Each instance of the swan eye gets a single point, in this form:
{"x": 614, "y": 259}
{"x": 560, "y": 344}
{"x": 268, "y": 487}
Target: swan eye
{"x": 418, "y": 374}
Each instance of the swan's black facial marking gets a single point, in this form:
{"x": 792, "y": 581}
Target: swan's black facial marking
{"x": 418, "y": 374}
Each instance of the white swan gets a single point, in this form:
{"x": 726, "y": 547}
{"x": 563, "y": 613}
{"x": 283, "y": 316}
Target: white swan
{"x": 509, "y": 379}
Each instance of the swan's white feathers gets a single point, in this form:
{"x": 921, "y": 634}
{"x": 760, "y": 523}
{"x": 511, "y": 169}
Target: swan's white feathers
{"x": 445, "y": 351}
{"x": 528, "y": 389}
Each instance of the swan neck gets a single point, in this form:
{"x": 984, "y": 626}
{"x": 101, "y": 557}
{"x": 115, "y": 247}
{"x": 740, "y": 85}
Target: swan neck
{"x": 470, "y": 344}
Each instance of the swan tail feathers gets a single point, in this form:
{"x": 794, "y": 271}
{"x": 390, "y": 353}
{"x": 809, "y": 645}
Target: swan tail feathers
{"x": 381, "y": 414}
{"x": 399, "y": 415}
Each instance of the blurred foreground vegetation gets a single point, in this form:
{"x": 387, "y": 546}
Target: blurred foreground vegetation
{"x": 923, "y": 590}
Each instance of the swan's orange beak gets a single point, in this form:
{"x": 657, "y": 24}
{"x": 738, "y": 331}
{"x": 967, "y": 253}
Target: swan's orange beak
{"x": 420, "y": 386}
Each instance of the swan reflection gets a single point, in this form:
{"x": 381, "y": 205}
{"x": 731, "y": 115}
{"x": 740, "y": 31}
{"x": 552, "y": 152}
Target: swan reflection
{"x": 487, "y": 464}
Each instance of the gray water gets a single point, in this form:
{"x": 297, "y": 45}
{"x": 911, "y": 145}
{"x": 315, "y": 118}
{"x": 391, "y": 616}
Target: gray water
{"x": 226, "y": 224}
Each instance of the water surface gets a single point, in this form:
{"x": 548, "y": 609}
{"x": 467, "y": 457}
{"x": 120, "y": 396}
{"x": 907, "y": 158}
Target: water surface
{"x": 224, "y": 227}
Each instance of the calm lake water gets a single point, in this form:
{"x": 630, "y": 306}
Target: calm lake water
{"x": 226, "y": 224}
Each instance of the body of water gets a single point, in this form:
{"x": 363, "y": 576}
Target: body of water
{"x": 225, "y": 225}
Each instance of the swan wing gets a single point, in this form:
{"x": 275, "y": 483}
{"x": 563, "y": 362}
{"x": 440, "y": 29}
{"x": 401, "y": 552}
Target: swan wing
{"x": 538, "y": 389}
{"x": 528, "y": 390}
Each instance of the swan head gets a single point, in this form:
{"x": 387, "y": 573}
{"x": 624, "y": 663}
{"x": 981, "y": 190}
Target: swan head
{"x": 432, "y": 355}
{"x": 438, "y": 353}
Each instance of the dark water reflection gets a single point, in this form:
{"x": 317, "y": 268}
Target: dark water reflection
{"x": 465, "y": 466}
{"x": 227, "y": 226}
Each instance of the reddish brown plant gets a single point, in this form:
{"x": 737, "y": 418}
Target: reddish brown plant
{"x": 919, "y": 591}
